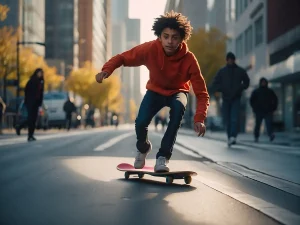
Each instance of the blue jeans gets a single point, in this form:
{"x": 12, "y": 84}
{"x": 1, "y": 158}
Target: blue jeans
{"x": 151, "y": 104}
{"x": 230, "y": 110}
{"x": 259, "y": 117}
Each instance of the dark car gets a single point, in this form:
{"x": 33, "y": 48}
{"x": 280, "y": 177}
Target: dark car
{"x": 42, "y": 119}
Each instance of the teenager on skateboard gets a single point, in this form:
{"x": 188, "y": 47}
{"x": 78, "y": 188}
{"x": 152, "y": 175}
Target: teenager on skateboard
{"x": 173, "y": 68}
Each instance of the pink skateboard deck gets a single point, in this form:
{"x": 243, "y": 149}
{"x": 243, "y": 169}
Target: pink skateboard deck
{"x": 170, "y": 176}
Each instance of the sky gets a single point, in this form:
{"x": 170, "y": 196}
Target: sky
{"x": 146, "y": 11}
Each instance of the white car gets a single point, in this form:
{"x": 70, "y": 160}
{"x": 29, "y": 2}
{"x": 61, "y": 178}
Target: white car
{"x": 55, "y": 102}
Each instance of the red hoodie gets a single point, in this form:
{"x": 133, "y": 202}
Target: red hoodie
{"x": 168, "y": 74}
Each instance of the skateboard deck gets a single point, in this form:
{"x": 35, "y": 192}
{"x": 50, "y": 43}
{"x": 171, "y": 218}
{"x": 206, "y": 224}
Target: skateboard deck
{"x": 170, "y": 176}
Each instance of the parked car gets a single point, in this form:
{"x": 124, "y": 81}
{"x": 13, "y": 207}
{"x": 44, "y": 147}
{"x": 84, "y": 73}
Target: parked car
{"x": 11, "y": 106}
{"x": 55, "y": 102}
{"x": 42, "y": 119}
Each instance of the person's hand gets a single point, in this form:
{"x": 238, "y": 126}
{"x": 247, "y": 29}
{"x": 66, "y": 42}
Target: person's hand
{"x": 100, "y": 76}
{"x": 200, "y": 128}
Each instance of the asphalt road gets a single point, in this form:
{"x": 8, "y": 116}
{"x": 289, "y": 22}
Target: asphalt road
{"x": 71, "y": 178}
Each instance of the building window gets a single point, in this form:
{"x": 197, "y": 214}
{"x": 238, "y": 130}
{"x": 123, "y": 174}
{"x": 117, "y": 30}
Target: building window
{"x": 239, "y": 46}
{"x": 258, "y": 24}
{"x": 245, "y": 4}
{"x": 248, "y": 39}
{"x": 240, "y": 7}
{"x": 237, "y": 9}
{"x": 230, "y": 10}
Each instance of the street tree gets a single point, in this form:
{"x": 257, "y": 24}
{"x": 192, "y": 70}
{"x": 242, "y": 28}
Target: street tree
{"x": 28, "y": 60}
{"x": 3, "y": 12}
{"x": 105, "y": 96}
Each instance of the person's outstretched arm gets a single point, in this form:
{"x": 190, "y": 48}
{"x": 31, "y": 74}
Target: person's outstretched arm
{"x": 133, "y": 57}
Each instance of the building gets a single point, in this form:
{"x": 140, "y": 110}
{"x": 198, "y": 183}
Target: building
{"x": 133, "y": 39}
{"x": 94, "y": 41}
{"x": 30, "y": 16}
{"x": 195, "y": 10}
{"x": 62, "y": 37}
{"x": 267, "y": 45}
{"x": 216, "y": 15}
{"x": 126, "y": 35}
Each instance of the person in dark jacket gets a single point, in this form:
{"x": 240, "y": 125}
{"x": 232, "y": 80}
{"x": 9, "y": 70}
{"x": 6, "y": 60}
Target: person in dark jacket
{"x": 231, "y": 81}
{"x": 2, "y": 111}
{"x": 69, "y": 108}
{"x": 263, "y": 102}
{"x": 34, "y": 93}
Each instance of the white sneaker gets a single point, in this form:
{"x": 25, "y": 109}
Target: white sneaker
{"x": 231, "y": 141}
{"x": 140, "y": 158}
{"x": 161, "y": 165}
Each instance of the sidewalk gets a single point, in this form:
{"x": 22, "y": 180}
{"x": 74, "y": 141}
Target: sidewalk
{"x": 11, "y": 133}
{"x": 283, "y": 140}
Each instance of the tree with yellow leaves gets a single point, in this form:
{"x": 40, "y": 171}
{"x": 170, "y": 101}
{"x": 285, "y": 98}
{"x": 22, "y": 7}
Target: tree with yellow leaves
{"x": 28, "y": 62}
{"x": 105, "y": 96}
{"x": 8, "y": 40}
{"x": 3, "y": 12}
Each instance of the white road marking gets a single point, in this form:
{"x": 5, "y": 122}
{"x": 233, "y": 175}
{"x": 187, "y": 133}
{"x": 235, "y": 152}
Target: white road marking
{"x": 22, "y": 140}
{"x": 113, "y": 141}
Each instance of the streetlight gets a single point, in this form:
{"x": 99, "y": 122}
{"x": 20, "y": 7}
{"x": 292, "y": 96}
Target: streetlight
{"x": 18, "y": 69}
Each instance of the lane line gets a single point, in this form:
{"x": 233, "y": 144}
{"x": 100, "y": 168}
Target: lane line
{"x": 113, "y": 141}
{"x": 22, "y": 140}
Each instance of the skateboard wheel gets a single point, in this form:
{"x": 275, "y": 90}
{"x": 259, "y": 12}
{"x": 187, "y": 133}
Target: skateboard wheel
{"x": 141, "y": 175}
{"x": 188, "y": 179}
{"x": 126, "y": 174}
{"x": 169, "y": 180}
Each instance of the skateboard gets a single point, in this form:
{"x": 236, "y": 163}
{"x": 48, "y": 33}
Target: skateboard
{"x": 170, "y": 176}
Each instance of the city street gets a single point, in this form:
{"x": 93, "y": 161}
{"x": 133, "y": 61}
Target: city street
{"x": 71, "y": 178}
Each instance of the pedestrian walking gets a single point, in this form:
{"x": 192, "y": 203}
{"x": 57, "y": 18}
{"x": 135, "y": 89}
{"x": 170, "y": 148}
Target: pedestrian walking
{"x": 34, "y": 93}
{"x": 231, "y": 81}
{"x": 2, "y": 111}
{"x": 264, "y": 102}
{"x": 69, "y": 107}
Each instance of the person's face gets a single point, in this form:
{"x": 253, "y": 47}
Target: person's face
{"x": 40, "y": 74}
{"x": 170, "y": 40}
{"x": 230, "y": 61}
{"x": 263, "y": 83}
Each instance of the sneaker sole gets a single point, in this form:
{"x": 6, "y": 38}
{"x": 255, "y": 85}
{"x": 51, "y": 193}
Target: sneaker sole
{"x": 161, "y": 170}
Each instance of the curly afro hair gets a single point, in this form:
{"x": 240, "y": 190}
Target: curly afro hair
{"x": 174, "y": 21}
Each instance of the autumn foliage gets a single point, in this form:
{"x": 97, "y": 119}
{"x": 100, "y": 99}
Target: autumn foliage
{"x": 106, "y": 95}
{"x": 28, "y": 60}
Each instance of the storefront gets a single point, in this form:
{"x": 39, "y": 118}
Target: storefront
{"x": 284, "y": 79}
